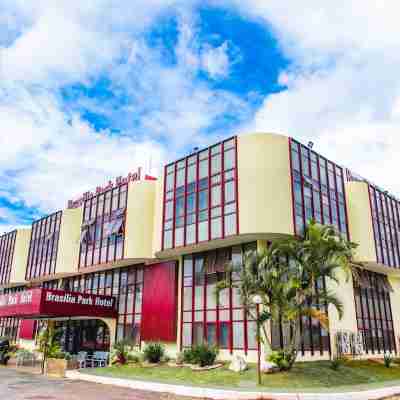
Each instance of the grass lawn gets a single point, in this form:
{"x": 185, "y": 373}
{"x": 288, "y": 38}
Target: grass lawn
{"x": 314, "y": 376}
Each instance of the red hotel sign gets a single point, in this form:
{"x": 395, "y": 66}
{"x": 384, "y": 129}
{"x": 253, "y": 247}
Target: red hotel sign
{"x": 131, "y": 177}
{"x": 41, "y": 303}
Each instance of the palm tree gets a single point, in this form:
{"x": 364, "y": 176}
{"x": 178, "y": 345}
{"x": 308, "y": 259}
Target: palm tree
{"x": 285, "y": 276}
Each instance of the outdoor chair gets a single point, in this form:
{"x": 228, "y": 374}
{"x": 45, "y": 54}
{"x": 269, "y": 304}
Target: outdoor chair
{"x": 24, "y": 358}
{"x": 99, "y": 359}
{"x": 82, "y": 358}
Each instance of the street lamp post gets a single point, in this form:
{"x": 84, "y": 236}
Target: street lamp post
{"x": 257, "y": 300}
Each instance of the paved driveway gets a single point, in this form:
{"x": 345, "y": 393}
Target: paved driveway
{"x": 15, "y": 385}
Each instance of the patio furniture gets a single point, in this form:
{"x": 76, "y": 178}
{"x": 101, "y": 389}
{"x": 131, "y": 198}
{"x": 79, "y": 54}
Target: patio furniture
{"x": 99, "y": 359}
{"x": 25, "y": 357}
{"x": 82, "y": 358}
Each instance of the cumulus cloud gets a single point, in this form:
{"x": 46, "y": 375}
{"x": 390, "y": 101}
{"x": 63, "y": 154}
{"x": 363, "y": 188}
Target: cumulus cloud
{"x": 341, "y": 89}
{"x": 50, "y": 152}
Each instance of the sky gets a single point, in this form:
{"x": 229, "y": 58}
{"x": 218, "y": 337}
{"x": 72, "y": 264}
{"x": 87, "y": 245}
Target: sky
{"x": 90, "y": 90}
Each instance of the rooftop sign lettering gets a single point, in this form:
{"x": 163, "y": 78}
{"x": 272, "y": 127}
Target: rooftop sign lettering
{"x": 119, "y": 181}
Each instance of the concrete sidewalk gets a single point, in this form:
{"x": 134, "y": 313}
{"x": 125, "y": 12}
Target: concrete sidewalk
{"x": 222, "y": 394}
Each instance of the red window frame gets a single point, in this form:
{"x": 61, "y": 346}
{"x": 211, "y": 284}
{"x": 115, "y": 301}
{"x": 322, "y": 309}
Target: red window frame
{"x": 374, "y": 314}
{"x": 221, "y": 316}
{"x": 43, "y": 247}
{"x": 122, "y": 283}
{"x": 7, "y": 247}
{"x": 99, "y": 211}
{"x": 385, "y": 214}
{"x": 318, "y": 189}
{"x": 183, "y": 225}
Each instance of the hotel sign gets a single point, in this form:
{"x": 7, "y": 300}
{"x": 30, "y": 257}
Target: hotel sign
{"x": 131, "y": 177}
{"x": 39, "y": 302}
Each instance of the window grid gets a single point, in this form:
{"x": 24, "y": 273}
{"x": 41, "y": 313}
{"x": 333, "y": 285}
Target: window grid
{"x": 318, "y": 190}
{"x": 9, "y": 326}
{"x": 99, "y": 244}
{"x": 126, "y": 285}
{"x": 374, "y": 314}
{"x": 385, "y": 211}
{"x": 200, "y": 196}
{"x": 7, "y": 247}
{"x": 313, "y": 337}
{"x": 219, "y": 322}
{"x": 43, "y": 246}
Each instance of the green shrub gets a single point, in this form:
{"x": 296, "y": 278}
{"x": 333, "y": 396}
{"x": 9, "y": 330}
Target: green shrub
{"x": 133, "y": 357}
{"x": 387, "y": 359}
{"x": 202, "y": 355}
{"x": 189, "y": 356}
{"x": 281, "y": 359}
{"x": 120, "y": 352}
{"x": 153, "y": 352}
{"x": 336, "y": 363}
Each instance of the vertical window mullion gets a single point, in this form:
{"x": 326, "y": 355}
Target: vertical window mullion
{"x": 185, "y": 202}
{"x": 222, "y": 171}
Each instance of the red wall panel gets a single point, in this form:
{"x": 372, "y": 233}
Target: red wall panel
{"x": 27, "y": 329}
{"x": 159, "y": 309}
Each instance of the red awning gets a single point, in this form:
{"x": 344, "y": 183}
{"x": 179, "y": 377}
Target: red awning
{"x": 43, "y": 303}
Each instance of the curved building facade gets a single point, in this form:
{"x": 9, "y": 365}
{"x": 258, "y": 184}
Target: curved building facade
{"x": 157, "y": 246}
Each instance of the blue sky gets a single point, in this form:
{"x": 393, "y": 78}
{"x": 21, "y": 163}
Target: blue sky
{"x": 91, "y": 91}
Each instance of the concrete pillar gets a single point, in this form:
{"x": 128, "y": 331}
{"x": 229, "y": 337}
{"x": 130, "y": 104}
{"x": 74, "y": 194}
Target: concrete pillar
{"x": 112, "y": 326}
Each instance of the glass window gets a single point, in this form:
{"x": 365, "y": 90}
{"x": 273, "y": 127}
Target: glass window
{"x": 215, "y": 196}
{"x": 216, "y": 228}
{"x": 203, "y": 230}
{"x": 229, "y": 191}
{"x": 179, "y": 237}
{"x": 230, "y": 224}
{"x": 189, "y": 199}
{"x": 203, "y": 200}
{"x": 229, "y": 159}
{"x": 191, "y": 234}
{"x": 215, "y": 164}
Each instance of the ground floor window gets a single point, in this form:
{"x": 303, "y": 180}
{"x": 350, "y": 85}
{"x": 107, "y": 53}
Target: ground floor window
{"x": 313, "y": 337}
{"x": 217, "y": 320}
{"x": 126, "y": 285}
{"x": 374, "y": 312}
{"x": 9, "y": 328}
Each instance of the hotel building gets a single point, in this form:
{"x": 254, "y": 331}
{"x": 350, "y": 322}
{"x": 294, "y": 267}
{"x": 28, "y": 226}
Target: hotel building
{"x": 157, "y": 247}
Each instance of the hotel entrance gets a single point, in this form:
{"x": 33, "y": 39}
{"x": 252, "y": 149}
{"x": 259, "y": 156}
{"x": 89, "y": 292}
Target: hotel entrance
{"x": 89, "y": 335}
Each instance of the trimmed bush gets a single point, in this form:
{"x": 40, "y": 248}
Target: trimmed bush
{"x": 153, "y": 352}
{"x": 387, "y": 359}
{"x": 202, "y": 355}
{"x": 336, "y": 363}
{"x": 281, "y": 359}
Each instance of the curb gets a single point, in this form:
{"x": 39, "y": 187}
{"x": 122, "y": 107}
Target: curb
{"x": 223, "y": 394}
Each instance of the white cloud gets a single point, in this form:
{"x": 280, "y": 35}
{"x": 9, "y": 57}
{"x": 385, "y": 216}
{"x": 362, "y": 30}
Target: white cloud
{"x": 342, "y": 88}
{"x": 49, "y": 153}
{"x": 215, "y": 60}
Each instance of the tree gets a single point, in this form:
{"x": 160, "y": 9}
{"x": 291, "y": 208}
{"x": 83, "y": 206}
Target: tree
{"x": 285, "y": 275}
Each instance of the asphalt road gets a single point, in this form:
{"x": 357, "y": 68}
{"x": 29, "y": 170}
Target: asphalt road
{"x": 23, "y": 386}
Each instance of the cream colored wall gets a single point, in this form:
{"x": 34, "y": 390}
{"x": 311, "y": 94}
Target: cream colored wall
{"x": 69, "y": 241}
{"x": 360, "y": 221}
{"x": 20, "y": 258}
{"x": 158, "y": 215}
{"x": 265, "y": 193}
{"x": 395, "y": 303}
{"x": 140, "y": 219}
{"x": 345, "y": 293}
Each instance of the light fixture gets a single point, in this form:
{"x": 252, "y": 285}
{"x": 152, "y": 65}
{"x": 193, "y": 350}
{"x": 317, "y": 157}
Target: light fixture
{"x": 257, "y": 299}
